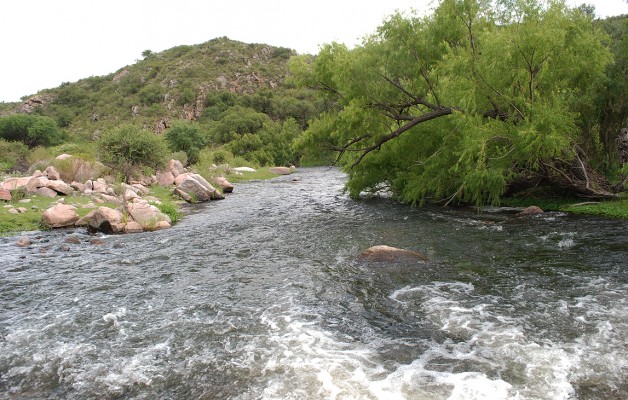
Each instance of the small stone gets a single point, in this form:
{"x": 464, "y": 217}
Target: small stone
{"x": 13, "y": 211}
{"x": 73, "y": 240}
{"x": 23, "y": 241}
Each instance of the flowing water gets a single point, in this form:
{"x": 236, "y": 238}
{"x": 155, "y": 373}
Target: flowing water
{"x": 261, "y": 296}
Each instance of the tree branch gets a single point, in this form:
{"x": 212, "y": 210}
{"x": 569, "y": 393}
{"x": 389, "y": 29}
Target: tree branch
{"x": 441, "y": 111}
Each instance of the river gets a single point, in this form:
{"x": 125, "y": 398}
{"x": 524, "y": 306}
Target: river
{"x": 261, "y": 296}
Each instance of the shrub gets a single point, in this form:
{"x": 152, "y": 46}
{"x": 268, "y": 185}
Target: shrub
{"x": 78, "y": 169}
{"x": 170, "y": 209}
{"x": 130, "y": 150}
{"x": 13, "y": 156}
{"x": 32, "y": 130}
{"x": 180, "y": 156}
{"x": 151, "y": 94}
{"x": 188, "y": 137}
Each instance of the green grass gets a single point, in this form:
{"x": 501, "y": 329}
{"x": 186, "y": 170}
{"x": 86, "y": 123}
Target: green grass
{"x": 261, "y": 174}
{"x": 610, "y": 208}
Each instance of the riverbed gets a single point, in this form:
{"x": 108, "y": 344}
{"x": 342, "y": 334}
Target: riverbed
{"x": 262, "y": 296}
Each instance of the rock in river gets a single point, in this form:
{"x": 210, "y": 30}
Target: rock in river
{"x": 388, "y": 253}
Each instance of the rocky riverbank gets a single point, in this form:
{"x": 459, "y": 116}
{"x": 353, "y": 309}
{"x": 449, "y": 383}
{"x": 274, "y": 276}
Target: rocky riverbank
{"x": 102, "y": 205}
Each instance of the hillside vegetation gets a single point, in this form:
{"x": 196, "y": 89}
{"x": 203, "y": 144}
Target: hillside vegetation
{"x": 230, "y": 98}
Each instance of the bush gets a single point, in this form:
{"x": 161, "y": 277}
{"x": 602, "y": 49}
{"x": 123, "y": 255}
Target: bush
{"x": 151, "y": 94}
{"x": 32, "y": 130}
{"x": 130, "y": 151}
{"x": 13, "y": 156}
{"x": 188, "y": 137}
{"x": 78, "y": 169}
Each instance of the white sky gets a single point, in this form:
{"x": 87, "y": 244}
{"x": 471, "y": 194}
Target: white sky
{"x": 47, "y": 42}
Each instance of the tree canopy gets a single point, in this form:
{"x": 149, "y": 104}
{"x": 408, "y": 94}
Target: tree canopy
{"x": 479, "y": 99}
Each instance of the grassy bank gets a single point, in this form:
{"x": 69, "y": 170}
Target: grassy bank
{"x": 611, "y": 208}
{"x": 33, "y": 206}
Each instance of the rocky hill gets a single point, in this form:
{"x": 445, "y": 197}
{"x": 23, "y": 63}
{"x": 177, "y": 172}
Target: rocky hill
{"x": 178, "y": 83}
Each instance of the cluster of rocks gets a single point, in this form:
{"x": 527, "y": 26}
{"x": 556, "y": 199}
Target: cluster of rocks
{"x": 192, "y": 187}
{"x": 135, "y": 210}
{"x": 47, "y": 184}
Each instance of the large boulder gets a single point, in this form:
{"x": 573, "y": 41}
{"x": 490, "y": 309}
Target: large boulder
{"x": 280, "y": 170}
{"x": 60, "y": 187}
{"x": 146, "y": 215}
{"x": 35, "y": 183}
{"x": 15, "y": 183}
{"x": 5, "y": 194}
{"x": 528, "y": 211}
{"x": 45, "y": 192}
{"x": 133, "y": 227}
{"x": 175, "y": 167}
{"x": 165, "y": 178}
{"x": 140, "y": 189}
{"x": 98, "y": 186}
{"x": 107, "y": 220}
{"x": 52, "y": 173}
{"x": 194, "y": 188}
{"x": 84, "y": 221}
{"x": 225, "y": 185}
{"x": 181, "y": 178}
{"x": 59, "y": 215}
{"x": 391, "y": 254}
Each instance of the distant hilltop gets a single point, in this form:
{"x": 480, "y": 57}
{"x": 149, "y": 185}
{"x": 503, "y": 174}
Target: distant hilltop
{"x": 169, "y": 85}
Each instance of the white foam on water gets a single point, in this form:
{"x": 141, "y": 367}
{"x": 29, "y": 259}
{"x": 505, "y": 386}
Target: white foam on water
{"x": 562, "y": 239}
{"x": 487, "y": 354}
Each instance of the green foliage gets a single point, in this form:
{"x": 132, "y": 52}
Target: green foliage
{"x": 236, "y": 120}
{"x": 130, "y": 150}
{"x": 188, "y": 137}
{"x": 32, "y": 130}
{"x": 151, "y": 94}
{"x": 457, "y": 105}
{"x": 13, "y": 156}
{"x": 170, "y": 209}
{"x": 612, "y": 102}
{"x": 272, "y": 145}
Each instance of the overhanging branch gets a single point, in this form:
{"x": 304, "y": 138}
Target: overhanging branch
{"x": 440, "y": 112}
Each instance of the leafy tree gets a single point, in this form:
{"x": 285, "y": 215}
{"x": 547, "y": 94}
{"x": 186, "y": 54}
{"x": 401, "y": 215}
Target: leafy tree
{"x": 131, "y": 150}
{"x": 468, "y": 104}
{"x": 612, "y": 101}
{"x": 237, "y": 120}
{"x": 188, "y": 137}
{"x": 32, "y": 130}
{"x": 272, "y": 145}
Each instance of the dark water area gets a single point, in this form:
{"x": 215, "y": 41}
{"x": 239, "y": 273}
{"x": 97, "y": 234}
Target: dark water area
{"x": 261, "y": 296}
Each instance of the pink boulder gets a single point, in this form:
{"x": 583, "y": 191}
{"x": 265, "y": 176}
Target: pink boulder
{"x": 5, "y": 194}
{"x": 388, "y": 253}
{"x": 60, "y": 215}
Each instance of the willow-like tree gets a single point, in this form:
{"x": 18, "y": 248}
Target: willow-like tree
{"x": 479, "y": 99}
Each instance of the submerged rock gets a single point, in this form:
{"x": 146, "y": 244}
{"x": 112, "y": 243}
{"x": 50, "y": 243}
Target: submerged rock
{"x": 388, "y": 253}
{"x": 23, "y": 241}
{"x": 532, "y": 210}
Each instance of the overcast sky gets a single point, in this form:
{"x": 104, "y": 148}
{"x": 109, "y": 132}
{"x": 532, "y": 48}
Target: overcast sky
{"x": 47, "y": 42}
